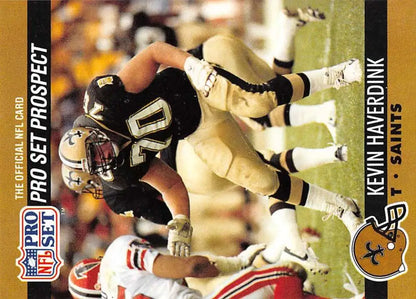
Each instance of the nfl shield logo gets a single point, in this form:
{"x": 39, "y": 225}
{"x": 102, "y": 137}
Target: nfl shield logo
{"x": 39, "y": 244}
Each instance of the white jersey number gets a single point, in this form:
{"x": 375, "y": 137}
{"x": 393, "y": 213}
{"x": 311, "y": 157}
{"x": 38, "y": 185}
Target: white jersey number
{"x": 139, "y": 129}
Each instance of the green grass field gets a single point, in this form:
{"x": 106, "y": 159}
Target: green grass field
{"x": 338, "y": 38}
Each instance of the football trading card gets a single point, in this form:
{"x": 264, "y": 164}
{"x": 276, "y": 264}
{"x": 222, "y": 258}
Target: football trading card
{"x": 293, "y": 127}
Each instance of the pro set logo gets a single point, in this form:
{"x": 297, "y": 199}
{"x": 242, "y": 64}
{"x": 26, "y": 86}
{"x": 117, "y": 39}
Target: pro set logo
{"x": 378, "y": 250}
{"x": 39, "y": 244}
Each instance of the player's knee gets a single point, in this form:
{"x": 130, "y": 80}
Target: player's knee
{"x": 224, "y": 40}
{"x": 283, "y": 88}
{"x": 266, "y": 183}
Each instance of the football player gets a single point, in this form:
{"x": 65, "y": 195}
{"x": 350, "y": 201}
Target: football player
{"x": 131, "y": 268}
{"x": 136, "y": 113}
{"x": 124, "y": 202}
{"x": 298, "y": 159}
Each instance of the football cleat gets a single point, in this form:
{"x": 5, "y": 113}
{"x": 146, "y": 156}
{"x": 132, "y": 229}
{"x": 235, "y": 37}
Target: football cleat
{"x": 341, "y": 152}
{"x": 306, "y": 259}
{"x": 305, "y": 15}
{"x": 347, "y": 210}
{"x": 343, "y": 74}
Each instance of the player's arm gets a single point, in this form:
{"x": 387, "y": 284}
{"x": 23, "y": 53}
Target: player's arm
{"x": 200, "y": 266}
{"x": 168, "y": 182}
{"x": 140, "y": 71}
{"x": 168, "y": 266}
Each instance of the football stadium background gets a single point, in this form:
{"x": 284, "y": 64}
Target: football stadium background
{"x": 91, "y": 38}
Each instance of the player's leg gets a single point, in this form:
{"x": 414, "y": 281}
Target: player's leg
{"x": 259, "y": 283}
{"x": 296, "y": 115}
{"x": 206, "y": 182}
{"x": 231, "y": 54}
{"x": 296, "y": 191}
{"x": 241, "y": 92}
{"x": 287, "y": 245}
{"x": 300, "y": 158}
{"x": 234, "y": 56}
{"x": 289, "y": 22}
{"x": 237, "y": 88}
{"x": 224, "y": 149}
{"x": 231, "y": 93}
{"x": 222, "y": 146}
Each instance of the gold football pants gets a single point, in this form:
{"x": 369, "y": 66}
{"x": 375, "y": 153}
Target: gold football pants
{"x": 219, "y": 141}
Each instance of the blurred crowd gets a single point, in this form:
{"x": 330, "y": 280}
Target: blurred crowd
{"x": 95, "y": 37}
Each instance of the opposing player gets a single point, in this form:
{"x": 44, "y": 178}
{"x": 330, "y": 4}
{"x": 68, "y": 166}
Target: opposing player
{"x": 131, "y": 116}
{"x": 131, "y": 268}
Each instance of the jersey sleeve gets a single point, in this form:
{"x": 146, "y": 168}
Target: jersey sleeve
{"x": 106, "y": 90}
{"x": 140, "y": 256}
{"x": 105, "y": 102}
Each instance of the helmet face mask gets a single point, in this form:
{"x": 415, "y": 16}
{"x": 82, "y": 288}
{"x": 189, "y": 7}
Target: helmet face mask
{"x": 101, "y": 153}
{"x": 394, "y": 214}
{"x": 93, "y": 187}
{"x": 88, "y": 150}
{"x": 82, "y": 182}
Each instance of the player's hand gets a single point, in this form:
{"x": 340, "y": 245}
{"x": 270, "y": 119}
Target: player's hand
{"x": 201, "y": 74}
{"x": 249, "y": 254}
{"x": 228, "y": 265}
{"x": 180, "y": 235}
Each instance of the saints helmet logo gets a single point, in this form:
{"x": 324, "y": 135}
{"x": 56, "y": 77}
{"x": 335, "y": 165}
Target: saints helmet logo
{"x": 372, "y": 253}
{"x": 73, "y": 178}
{"x": 378, "y": 250}
{"x": 71, "y": 135}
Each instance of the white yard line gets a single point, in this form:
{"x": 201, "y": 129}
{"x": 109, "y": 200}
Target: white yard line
{"x": 328, "y": 35}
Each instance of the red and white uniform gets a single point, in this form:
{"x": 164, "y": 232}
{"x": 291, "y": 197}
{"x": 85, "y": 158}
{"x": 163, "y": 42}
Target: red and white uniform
{"x": 126, "y": 273}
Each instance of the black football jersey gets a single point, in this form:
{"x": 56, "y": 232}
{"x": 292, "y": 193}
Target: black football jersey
{"x": 142, "y": 124}
{"x": 125, "y": 194}
{"x": 138, "y": 201}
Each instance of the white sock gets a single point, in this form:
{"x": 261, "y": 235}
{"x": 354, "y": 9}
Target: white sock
{"x": 286, "y": 225}
{"x": 304, "y": 114}
{"x": 318, "y": 198}
{"x": 286, "y": 31}
{"x": 306, "y": 158}
{"x": 316, "y": 79}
